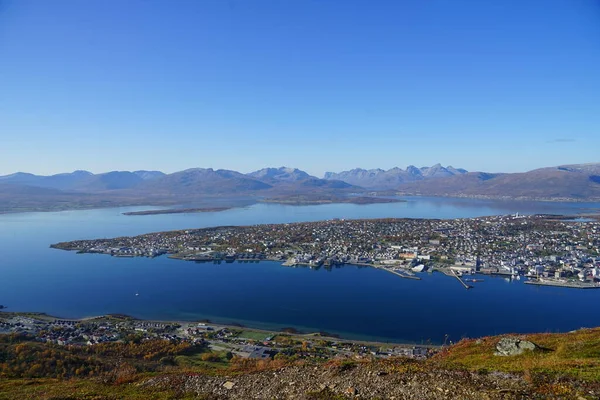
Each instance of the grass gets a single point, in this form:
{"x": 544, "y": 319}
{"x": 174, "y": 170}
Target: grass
{"x": 570, "y": 363}
{"x": 253, "y": 335}
{"x": 56, "y": 389}
{"x": 574, "y": 355}
{"x": 212, "y": 360}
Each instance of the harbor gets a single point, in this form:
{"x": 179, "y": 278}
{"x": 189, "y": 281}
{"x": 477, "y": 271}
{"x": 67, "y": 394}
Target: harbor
{"x": 399, "y": 272}
{"x": 565, "y": 284}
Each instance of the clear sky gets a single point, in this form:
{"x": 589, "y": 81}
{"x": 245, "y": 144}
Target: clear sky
{"x": 322, "y": 85}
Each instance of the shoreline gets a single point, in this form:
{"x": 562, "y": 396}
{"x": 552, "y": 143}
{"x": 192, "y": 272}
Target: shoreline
{"x": 178, "y": 211}
{"x": 405, "y": 273}
{"x": 289, "y": 330}
{"x": 167, "y": 203}
{"x": 571, "y": 285}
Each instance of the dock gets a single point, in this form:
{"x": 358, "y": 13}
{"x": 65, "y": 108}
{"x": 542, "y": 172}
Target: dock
{"x": 461, "y": 281}
{"x": 405, "y": 276}
{"x": 573, "y": 285}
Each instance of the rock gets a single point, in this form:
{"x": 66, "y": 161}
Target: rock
{"x": 228, "y": 385}
{"x": 512, "y": 346}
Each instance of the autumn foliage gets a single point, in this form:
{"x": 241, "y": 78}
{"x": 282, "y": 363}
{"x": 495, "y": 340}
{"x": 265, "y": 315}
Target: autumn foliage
{"x": 22, "y": 357}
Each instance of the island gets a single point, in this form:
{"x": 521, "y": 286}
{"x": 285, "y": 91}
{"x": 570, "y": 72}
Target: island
{"x": 178, "y": 211}
{"x": 545, "y": 249}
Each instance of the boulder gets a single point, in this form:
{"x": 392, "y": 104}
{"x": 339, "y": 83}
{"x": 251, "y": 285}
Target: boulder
{"x": 512, "y": 346}
{"x": 228, "y": 385}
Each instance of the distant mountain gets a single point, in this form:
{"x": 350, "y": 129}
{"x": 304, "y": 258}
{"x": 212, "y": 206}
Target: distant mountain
{"x": 64, "y": 181}
{"x": 83, "y": 180}
{"x": 326, "y": 183}
{"x": 293, "y": 181}
{"x": 392, "y": 178}
{"x": 356, "y": 176}
{"x": 58, "y": 181}
{"x": 149, "y": 175}
{"x": 67, "y": 181}
{"x": 437, "y": 171}
{"x": 278, "y": 175}
{"x": 315, "y": 185}
{"x": 114, "y": 180}
{"x": 81, "y": 189}
{"x": 204, "y": 181}
{"x": 456, "y": 171}
{"x": 16, "y": 198}
{"x": 18, "y": 178}
{"x": 11, "y": 189}
{"x": 590, "y": 168}
{"x": 569, "y": 182}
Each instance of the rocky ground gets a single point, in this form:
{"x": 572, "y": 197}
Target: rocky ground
{"x": 534, "y": 366}
{"x": 359, "y": 380}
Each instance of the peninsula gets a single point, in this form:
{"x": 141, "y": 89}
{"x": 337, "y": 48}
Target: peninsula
{"x": 305, "y": 200}
{"x": 178, "y": 211}
{"x": 547, "y": 249}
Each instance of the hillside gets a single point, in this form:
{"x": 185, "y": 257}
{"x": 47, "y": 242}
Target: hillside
{"x": 563, "y": 366}
{"x": 206, "y": 187}
{"x": 82, "y": 181}
{"x": 279, "y": 175}
{"x": 383, "y": 180}
{"x": 574, "y": 182}
{"x": 203, "y": 181}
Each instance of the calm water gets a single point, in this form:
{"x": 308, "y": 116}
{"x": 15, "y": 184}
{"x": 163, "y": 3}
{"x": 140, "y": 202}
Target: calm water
{"x": 355, "y": 302}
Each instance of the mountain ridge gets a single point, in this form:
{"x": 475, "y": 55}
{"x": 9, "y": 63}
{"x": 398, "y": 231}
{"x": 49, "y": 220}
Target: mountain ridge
{"x": 392, "y": 178}
{"x": 82, "y": 189}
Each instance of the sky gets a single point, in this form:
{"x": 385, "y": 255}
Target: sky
{"x": 321, "y": 85}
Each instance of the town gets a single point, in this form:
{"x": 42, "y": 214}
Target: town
{"x": 214, "y": 341}
{"x": 546, "y": 249}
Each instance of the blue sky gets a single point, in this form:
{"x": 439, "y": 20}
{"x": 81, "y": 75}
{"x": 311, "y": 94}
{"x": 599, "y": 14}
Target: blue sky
{"x": 321, "y": 85}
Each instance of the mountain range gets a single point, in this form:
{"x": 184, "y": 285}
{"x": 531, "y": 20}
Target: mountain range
{"x": 191, "y": 181}
{"x": 392, "y": 178}
{"x": 83, "y": 180}
{"x": 568, "y": 182}
{"x": 83, "y": 189}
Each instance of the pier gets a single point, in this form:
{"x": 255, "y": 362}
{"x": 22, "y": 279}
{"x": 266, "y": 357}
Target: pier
{"x": 401, "y": 275}
{"x": 575, "y": 285}
{"x": 461, "y": 281}
{"x": 449, "y": 272}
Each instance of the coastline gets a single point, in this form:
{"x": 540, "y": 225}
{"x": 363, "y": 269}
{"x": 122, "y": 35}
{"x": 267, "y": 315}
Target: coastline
{"x": 291, "y": 331}
{"x": 169, "y": 203}
{"x": 503, "y": 198}
{"x": 308, "y": 201}
{"x": 178, "y": 211}
{"x": 401, "y": 272}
